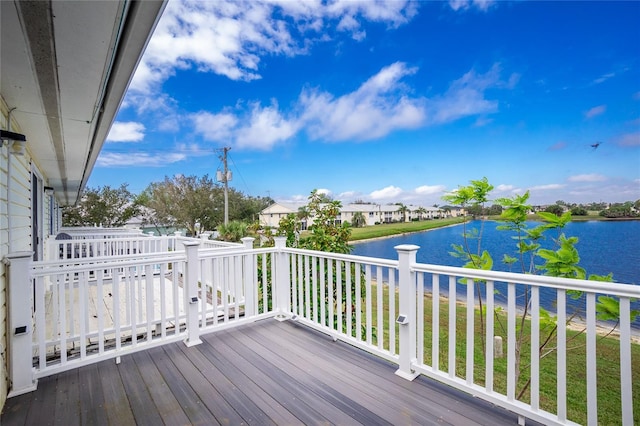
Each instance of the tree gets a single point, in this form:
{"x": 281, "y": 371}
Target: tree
{"x": 104, "y": 206}
{"x": 421, "y": 212}
{"x": 475, "y": 211}
{"x": 475, "y": 194}
{"x": 233, "y": 232}
{"x": 323, "y": 197}
{"x": 303, "y": 216}
{"x": 619, "y": 210}
{"x": 556, "y": 209}
{"x": 358, "y": 220}
{"x": 403, "y": 210}
{"x": 325, "y": 232}
{"x": 579, "y": 211}
{"x": 186, "y": 202}
{"x": 495, "y": 210}
{"x": 561, "y": 261}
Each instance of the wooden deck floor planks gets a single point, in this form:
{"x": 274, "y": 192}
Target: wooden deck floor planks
{"x": 262, "y": 373}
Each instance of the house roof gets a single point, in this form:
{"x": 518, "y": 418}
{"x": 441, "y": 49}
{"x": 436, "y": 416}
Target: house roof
{"x": 65, "y": 68}
{"x": 283, "y": 207}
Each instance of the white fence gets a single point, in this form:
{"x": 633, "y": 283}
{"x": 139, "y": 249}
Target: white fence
{"x": 86, "y": 244}
{"x": 427, "y": 319}
{"x": 421, "y": 317}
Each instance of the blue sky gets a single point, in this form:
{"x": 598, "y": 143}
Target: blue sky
{"x": 387, "y": 101}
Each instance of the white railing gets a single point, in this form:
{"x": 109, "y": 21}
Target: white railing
{"x": 86, "y": 245}
{"x": 422, "y": 317}
{"x": 89, "y": 309}
{"x": 514, "y": 302}
{"x": 426, "y": 318}
{"x": 340, "y": 295}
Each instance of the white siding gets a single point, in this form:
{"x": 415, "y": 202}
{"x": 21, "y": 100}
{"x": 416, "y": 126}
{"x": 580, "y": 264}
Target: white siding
{"x": 4, "y": 249}
{"x": 15, "y": 226}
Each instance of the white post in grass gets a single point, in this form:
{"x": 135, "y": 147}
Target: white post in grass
{"x": 191, "y": 301}
{"x": 20, "y": 332}
{"x": 407, "y": 310}
{"x": 250, "y": 282}
{"x": 281, "y": 281}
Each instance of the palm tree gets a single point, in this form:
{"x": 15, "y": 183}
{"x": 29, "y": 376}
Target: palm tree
{"x": 303, "y": 215}
{"x": 403, "y": 209}
{"x": 421, "y": 211}
{"x": 358, "y": 220}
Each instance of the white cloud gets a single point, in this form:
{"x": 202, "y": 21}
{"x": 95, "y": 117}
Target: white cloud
{"x": 483, "y": 5}
{"x": 603, "y": 78}
{"x": 138, "y": 159}
{"x": 265, "y": 128}
{"x": 381, "y": 105}
{"x": 214, "y": 127}
{"x": 593, "y": 177}
{"x": 229, "y": 37}
{"x": 349, "y": 196}
{"x": 549, "y": 187}
{"x": 261, "y": 128}
{"x": 629, "y": 139}
{"x": 390, "y": 192}
{"x": 378, "y": 107}
{"x": 466, "y": 96}
{"x": 126, "y": 132}
{"x": 595, "y": 111}
{"x": 430, "y": 190}
{"x": 506, "y": 188}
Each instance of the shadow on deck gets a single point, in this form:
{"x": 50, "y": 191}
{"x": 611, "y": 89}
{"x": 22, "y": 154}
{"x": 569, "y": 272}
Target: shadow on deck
{"x": 263, "y": 373}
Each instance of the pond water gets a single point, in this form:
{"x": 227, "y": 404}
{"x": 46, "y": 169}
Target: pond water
{"x": 604, "y": 247}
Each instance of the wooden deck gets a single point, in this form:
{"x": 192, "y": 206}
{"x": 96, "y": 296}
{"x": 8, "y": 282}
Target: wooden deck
{"x": 263, "y": 373}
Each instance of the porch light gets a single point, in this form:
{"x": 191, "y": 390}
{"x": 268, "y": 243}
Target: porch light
{"x": 48, "y": 190}
{"x": 13, "y": 138}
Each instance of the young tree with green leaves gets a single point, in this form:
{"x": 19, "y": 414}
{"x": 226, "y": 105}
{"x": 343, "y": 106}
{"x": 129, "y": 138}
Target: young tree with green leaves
{"x": 560, "y": 261}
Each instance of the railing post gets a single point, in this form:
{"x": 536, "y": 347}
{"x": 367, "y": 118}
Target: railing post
{"x": 20, "y": 332}
{"x": 250, "y": 283}
{"x": 281, "y": 280}
{"x": 407, "y": 310}
{"x": 191, "y": 301}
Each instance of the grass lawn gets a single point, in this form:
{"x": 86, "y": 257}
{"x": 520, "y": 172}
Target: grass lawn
{"x": 389, "y": 229}
{"x": 608, "y": 364}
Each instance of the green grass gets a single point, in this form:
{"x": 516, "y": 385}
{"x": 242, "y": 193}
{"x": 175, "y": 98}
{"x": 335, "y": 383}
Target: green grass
{"x": 389, "y": 229}
{"x": 608, "y": 364}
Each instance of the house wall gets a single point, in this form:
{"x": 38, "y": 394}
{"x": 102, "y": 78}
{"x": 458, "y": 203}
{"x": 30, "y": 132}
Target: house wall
{"x": 4, "y": 249}
{"x": 15, "y": 222}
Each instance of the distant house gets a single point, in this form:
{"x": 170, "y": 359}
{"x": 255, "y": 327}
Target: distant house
{"x": 272, "y": 215}
{"x": 373, "y": 213}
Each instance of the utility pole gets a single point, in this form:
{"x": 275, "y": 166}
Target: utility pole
{"x": 225, "y": 177}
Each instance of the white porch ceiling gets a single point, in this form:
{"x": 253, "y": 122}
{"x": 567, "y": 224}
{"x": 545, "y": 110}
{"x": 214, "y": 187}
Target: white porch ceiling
{"x": 65, "y": 67}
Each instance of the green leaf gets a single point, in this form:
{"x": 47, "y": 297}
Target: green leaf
{"x": 608, "y": 308}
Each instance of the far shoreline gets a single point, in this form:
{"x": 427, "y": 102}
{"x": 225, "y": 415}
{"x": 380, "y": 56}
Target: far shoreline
{"x": 400, "y": 234}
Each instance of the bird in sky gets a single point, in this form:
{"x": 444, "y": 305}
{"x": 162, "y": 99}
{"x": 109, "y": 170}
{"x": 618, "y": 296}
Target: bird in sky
{"x": 595, "y": 145}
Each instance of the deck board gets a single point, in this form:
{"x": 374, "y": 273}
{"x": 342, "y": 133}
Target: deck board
{"x": 258, "y": 374}
{"x": 92, "y": 410}
{"x": 67, "y": 397}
